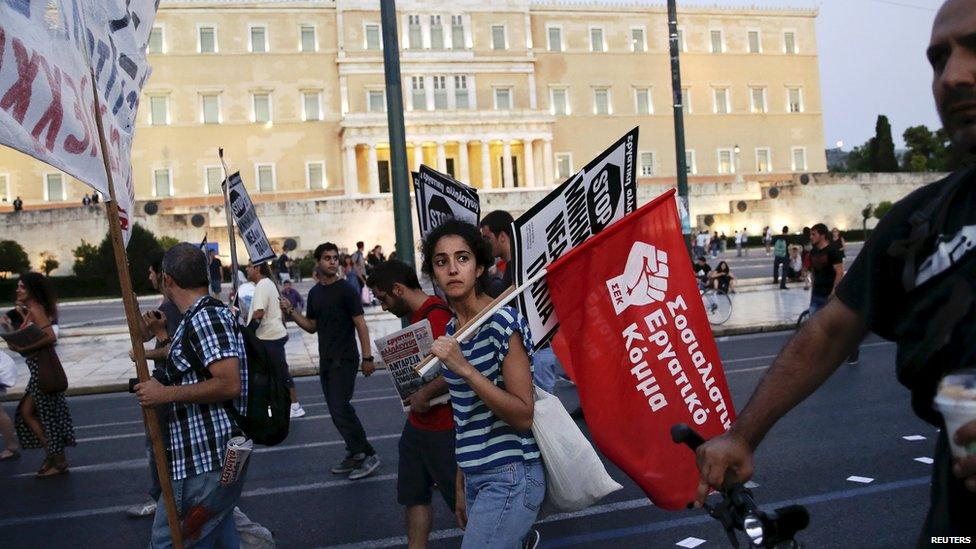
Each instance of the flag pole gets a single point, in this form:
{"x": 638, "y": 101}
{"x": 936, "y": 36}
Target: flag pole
{"x": 149, "y": 415}
{"x": 225, "y": 187}
{"x": 470, "y": 327}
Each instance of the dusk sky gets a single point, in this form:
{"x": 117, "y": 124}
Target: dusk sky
{"x": 872, "y": 61}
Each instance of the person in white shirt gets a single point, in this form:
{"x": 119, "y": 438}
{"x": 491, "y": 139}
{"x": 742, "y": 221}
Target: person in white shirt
{"x": 264, "y": 317}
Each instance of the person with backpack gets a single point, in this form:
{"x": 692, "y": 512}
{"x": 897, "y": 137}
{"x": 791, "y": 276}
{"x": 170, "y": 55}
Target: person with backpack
{"x": 207, "y": 366}
{"x": 335, "y": 312}
{"x": 911, "y": 284}
{"x": 781, "y": 257}
{"x": 427, "y": 441}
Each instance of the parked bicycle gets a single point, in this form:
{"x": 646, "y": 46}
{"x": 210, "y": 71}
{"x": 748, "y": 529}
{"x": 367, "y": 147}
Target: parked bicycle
{"x": 718, "y": 304}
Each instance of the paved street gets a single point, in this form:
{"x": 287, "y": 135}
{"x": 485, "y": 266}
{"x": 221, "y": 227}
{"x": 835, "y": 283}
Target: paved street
{"x": 853, "y": 427}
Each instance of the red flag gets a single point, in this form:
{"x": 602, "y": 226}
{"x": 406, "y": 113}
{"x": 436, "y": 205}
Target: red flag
{"x": 643, "y": 357}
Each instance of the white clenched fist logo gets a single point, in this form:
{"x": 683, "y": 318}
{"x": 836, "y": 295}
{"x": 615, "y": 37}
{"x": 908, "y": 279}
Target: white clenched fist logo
{"x": 645, "y": 278}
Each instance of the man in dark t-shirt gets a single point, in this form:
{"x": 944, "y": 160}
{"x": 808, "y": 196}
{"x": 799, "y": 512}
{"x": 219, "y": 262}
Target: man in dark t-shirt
{"x": 702, "y": 269}
{"x": 897, "y": 278}
{"x": 826, "y": 267}
{"x": 335, "y": 312}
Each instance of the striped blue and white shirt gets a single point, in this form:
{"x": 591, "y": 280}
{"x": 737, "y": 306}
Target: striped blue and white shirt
{"x": 483, "y": 440}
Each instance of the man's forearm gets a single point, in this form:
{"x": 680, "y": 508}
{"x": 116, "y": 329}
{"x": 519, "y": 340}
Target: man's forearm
{"x": 363, "y": 333}
{"x": 435, "y": 388}
{"x": 210, "y": 391}
{"x": 810, "y": 357}
{"x": 304, "y": 323}
{"x": 157, "y": 354}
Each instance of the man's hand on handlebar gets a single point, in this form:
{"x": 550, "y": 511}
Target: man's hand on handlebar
{"x": 725, "y": 459}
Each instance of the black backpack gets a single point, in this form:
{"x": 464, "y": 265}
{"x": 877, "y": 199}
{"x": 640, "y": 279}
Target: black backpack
{"x": 268, "y": 399}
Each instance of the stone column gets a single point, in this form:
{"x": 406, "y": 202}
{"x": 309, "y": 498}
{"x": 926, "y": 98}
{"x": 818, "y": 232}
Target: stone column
{"x": 547, "y": 171}
{"x": 441, "y": 157}
{"x": 528, "y": 158}
{"x": 351, "y": 183}
{"x": 464, "y": 171}
{"x": 371, "y": 171}
{"x": 485, "y": 165}
{"x": 507, "y": 175}
{"x": 418, "y": 155}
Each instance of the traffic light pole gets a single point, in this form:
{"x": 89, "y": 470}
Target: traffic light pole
{"x": 679, "y": 124}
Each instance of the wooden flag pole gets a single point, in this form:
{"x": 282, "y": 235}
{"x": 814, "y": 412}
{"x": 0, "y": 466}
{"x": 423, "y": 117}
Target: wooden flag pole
{"x": 225, "y": 186}
{"x": 138, "y": 352}
{"x": 470, "y": 327}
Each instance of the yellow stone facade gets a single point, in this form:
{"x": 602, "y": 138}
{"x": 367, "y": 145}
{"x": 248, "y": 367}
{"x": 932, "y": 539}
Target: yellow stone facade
{"x": 507, "y": 93}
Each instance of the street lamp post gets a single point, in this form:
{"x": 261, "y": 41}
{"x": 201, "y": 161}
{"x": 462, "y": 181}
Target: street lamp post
{"x": 738, "y": 170}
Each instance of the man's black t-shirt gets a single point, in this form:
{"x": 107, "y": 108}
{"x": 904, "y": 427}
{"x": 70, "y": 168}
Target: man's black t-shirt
{"x": 822, "y": 261}
{"x": 281, "y": 265}
{"x": 173, "y": 317}
{"x": 702, "y": 270}
{"x": 333, "y": 307}
{"x": 215, "y": 273}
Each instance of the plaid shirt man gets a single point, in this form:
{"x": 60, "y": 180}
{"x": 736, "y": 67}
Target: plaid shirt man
{"x": 198, "y": 433}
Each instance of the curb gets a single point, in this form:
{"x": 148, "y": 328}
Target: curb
{"x": 310, "y": 370}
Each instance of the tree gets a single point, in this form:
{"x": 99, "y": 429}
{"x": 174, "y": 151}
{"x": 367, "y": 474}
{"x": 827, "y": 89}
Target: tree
{"x": 49, "y": 262}
{"x": 167, "y": 242}
{"x": 99, "y": 262}
{"x": 13, "y": 258}
{"x": 881, "y": 209}
{"x": 929, "y": 151}
{"x": 857, "y": 160}
{"x": 881, "y": 151}
{"x": 86, "y": 260}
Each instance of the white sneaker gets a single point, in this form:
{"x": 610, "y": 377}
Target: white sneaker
{"x": 142, "y": 509}
{"x": 296, "y": 410}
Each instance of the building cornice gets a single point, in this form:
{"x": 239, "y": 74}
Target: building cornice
{"x": 614, "y": 7}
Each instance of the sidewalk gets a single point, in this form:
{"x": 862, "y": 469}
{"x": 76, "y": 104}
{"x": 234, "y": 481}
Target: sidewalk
{"x": 96, "y": 359}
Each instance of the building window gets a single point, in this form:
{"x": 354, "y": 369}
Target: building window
{"x": 436, "y": 33}
{"x": 461, "y": 92}
{"x": 162, "y": 183}
{"x": 414, "y": 32}
{"x": 308, "y": 42}
{"x": 638, "y": 42}
{"x": 717, "y": 41}
{"x": 207, "y": 39}
{"x": 555, "y": 36}
{"x": 503, "y": 99}
{"x": 158, "y": 110}
{"x": 262, "y": 107}
{"x": 757, "y": 100}
{"x": 498, "y": 38}
{"x": 755, "y": 44}
{"x": 376, "y": 101}
{"x": 789, "y": 42}
{"x": 799, "y": 159}
{"x": 794, "y": 100}
{"x": 686, "y": 101}
{"x": 691, "y": 167}
{"x": 265, "y": 177}
{"x": 559, "y": 101}
{"x": 210, "y": 108}
{"x": 763, "y": 161}
{"x": 372, "y": 33}
{"x": 564, "y": 165}
{"x": 602, "y": 101}
{"x": 259, "y": 39}
{"x": 5, "y": 188}
{"x": 721, "y": 101}
{"x": 647, "y": 164}
{"x": 417, "y": 94}
{"x": 440, "y": 93}
{"x": 315, "y": 175}
{"x": 54, "y": 187}
{"x": 214, "y": 177}
{"x": 725, "y": 161}
{"x": 681, "y": 40}
{"x": 642, "y": 98}
{"x": 156, "y": 42}
{"x": 311, "y": 109}
{"x": 597, "y": 44}
{"x": 457, "y": 32}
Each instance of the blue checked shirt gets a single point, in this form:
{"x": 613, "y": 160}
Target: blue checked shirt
{"x": 198, "y": 433}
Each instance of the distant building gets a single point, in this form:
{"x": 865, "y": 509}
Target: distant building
{"x": 837, "y": 159}
{"x": 502, "y": 94}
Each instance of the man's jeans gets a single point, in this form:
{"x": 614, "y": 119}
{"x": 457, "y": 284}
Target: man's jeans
{"x": 206, "y": 510}
{"x": 544, "y": 363}
{"x": 780, "y": 263}
{"x": 817, "y": 302}
{"x": 502, "y": 504}
{"x": 338, "y": 378}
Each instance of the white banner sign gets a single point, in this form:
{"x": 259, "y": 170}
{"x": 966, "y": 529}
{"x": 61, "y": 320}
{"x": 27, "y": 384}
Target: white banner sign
{"x": 246, "y": 219}
{"x": 46, "y": 102}
{"x": 600, "y": 194}
{"x": 440, "y": 197}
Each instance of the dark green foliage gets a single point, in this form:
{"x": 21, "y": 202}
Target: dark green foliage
{"x": 13, "y": 258}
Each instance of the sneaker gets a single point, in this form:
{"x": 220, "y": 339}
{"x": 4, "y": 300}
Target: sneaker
{"x": 296, "y": 410}
{"x": 348, "y": 465}
{"x": 365, "y": 468}
{"x": 145, "y": 509}
{"x": 531, "y": 540}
